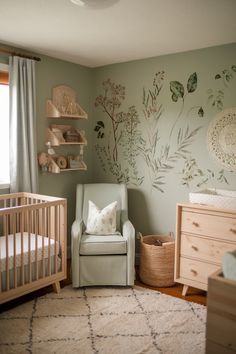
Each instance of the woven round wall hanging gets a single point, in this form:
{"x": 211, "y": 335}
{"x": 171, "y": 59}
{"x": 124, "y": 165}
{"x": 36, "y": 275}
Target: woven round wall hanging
{"x": 61, "y": 162}
{"x": 221, "y": 138}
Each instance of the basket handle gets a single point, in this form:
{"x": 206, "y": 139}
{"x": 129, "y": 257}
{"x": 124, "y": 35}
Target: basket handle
{"x": 171, "y": 233}
{"x": 140, "y": 237}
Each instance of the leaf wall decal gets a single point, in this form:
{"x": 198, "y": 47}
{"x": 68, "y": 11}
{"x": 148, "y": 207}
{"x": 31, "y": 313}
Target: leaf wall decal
{"x": 192, "y": 83}
{"x": 177, "y": 90}
{"x": 101, "y": 124}
{"x": 174, "y": 97}
{"x": 201, "y": 112}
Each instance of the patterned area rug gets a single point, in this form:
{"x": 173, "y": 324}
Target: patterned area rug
{"x": 104, "y": 320}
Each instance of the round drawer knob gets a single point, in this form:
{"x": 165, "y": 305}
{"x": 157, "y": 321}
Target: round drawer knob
{"x": 195, "y": 223}
{"x": 194, "y": 248}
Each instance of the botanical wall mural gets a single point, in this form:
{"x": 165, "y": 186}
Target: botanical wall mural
{"x": 125, "y": 138}
{"x": 118, "y": 154}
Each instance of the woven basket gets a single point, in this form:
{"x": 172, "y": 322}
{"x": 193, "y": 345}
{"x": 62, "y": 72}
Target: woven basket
{"x": 157, "y": 262}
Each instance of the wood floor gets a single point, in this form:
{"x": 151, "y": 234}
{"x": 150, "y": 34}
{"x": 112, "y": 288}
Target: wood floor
{"x": 193, "y": 295}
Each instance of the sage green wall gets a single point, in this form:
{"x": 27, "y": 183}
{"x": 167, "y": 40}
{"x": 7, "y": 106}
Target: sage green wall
{"x": 178, "y": 161}
{"x": 51, "y": 72}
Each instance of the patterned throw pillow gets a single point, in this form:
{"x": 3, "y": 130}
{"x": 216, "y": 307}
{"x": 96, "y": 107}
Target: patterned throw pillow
{"x": 101, "y": 222}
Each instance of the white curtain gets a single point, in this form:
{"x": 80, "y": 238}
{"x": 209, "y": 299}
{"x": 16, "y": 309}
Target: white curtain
{"x": 23, "y": 145}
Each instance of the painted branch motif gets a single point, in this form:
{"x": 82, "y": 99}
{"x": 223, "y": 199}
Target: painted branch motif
{"x": 178, "y": 92}
{"x": 193, "y": 174}
{"x": 160, "y": 157}
{"x": 123, "y": 137}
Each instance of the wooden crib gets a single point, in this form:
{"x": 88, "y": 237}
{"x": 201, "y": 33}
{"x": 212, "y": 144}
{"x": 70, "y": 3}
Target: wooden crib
{"x": 32, "y": 243}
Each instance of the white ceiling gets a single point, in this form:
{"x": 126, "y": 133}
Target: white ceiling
{"x": 129, "y": 30}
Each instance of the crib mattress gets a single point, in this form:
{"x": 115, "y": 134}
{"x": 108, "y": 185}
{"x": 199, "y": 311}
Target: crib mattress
{"x": 44, "y": 249}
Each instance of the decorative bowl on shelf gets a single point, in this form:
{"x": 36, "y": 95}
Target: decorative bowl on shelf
{"x": 72, "y": 136}
{"x": 220, "y": 198}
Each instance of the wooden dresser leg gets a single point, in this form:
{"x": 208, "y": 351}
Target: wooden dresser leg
{"x": 56, "y": 287}
{"x": 185, "y": 289}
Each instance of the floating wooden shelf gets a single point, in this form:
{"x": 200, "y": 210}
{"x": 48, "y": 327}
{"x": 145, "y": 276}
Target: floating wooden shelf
{"x": 54, "y": 168}
{"x": 53, "y": 112}
{"x": 55, "y": 135}
{"x": 64, "y": 105}
{"x": 82, "y": 168}
{"x": 74, "y": 169}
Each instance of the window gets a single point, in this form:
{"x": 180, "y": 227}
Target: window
{"x": 4, "y": 127}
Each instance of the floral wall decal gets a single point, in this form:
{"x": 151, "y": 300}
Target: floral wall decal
{"x": 191, "y": 173}
{"x": 99, "y": 128}
{"x": 216, "y": 98}
{"x": 160, "y": 157}
{"x": 226, "y": 75}
{"x": 118, "y": 153}
{"x": 178, "y": 91}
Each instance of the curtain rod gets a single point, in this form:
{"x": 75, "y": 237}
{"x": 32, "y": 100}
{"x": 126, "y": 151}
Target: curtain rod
{"x": 10, "y": 52}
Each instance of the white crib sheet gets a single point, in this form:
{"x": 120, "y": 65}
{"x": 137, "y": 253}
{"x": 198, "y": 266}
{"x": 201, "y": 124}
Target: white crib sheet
{"x": 40, "y": 253}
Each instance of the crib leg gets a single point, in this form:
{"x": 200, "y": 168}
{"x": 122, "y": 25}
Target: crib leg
{"x": 56, "y": 287}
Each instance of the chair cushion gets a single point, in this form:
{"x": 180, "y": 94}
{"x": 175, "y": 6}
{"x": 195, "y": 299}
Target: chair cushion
{"x": 102, "y": 244}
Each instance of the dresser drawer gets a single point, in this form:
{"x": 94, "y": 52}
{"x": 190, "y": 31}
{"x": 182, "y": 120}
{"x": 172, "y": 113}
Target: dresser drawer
{"x": 196, "y": 270}
{"x": 209, "y": 225}
{"x": 205, "y": 249}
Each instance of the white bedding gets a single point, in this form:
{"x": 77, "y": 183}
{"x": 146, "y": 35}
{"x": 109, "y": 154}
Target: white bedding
{"x": 40, "y": 254}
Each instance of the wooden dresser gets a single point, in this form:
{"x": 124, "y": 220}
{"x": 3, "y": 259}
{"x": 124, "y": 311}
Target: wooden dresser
{"x": 203, "y": 235}
{"x": 221, "y": 315}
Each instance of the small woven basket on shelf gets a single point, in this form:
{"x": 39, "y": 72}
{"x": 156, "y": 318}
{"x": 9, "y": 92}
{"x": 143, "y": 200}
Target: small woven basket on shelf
{"x": 157, "y": 260}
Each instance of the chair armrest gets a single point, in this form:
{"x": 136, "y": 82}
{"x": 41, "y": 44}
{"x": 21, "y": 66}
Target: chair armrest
{"x": 76, "y": 229}
{"x": 128, "y": 229}
{"x": 76, "y": 233}
{"x": 128, "y": 233}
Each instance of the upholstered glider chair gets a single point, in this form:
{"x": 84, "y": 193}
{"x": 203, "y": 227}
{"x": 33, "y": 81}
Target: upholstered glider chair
{"x": 102, "y": 239}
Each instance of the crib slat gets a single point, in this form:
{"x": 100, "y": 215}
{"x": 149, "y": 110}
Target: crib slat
{"x": 36, "y": 242}
{"x": 29, "y": 243}
{"x": 49, "y": 239}
{"x": 43, "y": 234}
{"x": 59, "y": 227}
{"x": 56, "y": 237}
{"x": 62, "y": 239}
{"x": 17, "y": 215}
{"x": 7, "y": 251}
{"x": 14, "y": 220}
{"x": 22, "y": 248}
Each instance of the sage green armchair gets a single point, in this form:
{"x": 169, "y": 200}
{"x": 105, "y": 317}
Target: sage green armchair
{"x": 102, "y": 259}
